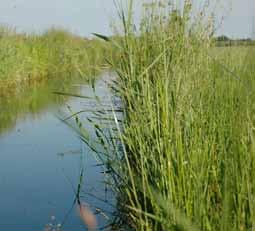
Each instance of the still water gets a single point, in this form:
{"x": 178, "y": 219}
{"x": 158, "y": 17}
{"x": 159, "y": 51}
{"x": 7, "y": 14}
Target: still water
{"x": 40, "y": 163}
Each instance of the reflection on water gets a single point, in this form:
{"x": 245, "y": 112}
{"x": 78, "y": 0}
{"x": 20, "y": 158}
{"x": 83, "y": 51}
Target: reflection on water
{"x": 40, "y": 163}
{"x": 30, "y": 100}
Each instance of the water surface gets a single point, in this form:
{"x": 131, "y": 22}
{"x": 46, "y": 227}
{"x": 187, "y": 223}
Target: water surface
{"x": 40, "y": 163}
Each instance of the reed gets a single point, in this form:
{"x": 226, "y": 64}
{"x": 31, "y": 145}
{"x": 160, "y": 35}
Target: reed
{"x": 183, "y": 156}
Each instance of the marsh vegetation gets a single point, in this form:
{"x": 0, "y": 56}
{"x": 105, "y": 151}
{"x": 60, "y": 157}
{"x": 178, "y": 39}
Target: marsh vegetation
{"x": 178, "y": 150}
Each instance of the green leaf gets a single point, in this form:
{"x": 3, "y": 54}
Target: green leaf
{"x": 107, "y": 39}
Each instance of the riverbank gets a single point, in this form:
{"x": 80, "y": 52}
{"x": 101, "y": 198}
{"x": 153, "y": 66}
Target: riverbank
{"x": 34, "y": 66}
{"x": 27, "y": 60}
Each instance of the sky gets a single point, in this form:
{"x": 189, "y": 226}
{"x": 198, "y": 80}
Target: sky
{"x": 84, "y": 17}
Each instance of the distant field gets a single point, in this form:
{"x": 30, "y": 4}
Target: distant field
{"x": 235, "y": 43}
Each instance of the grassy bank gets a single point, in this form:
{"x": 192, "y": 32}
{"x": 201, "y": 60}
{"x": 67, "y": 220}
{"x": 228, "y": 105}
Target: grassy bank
{"x": 31, "y": 59}
{"x": 34, "y": 66}
{"x": 185, "y": 155}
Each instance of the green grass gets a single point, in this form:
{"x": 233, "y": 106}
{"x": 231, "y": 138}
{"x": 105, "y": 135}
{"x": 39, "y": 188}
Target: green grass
{"x": 184, "y": 156}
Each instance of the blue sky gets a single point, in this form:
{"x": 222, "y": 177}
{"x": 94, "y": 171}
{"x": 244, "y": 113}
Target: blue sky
{"x": 87, "y": 16}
